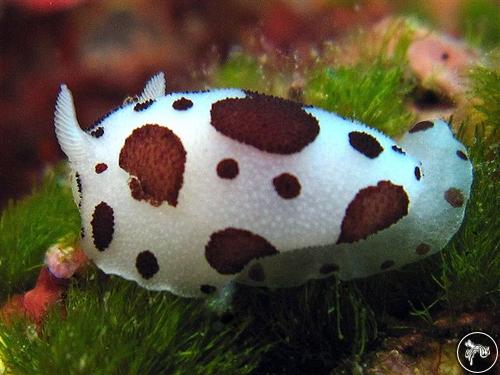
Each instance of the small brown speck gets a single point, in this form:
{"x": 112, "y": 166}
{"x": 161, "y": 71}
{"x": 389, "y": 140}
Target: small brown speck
{"x": 454, "y": 197}
{"x": 462, "y": 155}
{"x": 422, "y": 249}
{"x": 100, "y": 167}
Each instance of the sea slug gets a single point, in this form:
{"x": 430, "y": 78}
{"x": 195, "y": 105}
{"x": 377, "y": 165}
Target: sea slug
{"x": 189, "y": 191}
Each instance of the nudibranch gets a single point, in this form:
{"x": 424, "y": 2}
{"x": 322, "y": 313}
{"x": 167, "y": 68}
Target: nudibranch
{"x": 190, "y": 191}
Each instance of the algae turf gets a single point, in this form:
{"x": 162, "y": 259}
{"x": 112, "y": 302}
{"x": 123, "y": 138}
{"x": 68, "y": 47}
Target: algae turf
{"x": 311, "y": 328}
{"x": 338, "y": 90}
{"x": 484, "y": 96}
{"x": 242, "y": 71}
{"x": 28, "y": 227}
{"x": 470, "y": 275}
{"x": 480, "y": 19}
{"x": 113, "y": 326}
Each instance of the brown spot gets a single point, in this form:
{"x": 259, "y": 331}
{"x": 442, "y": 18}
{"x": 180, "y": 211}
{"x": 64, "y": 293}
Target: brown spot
{"x": 82, "y": 232}
{"x": 144, "y": 105}
{"x": 155, "y": 157}
{"x": 256, "y": 273}
{"x": 454, "y": 197}
{"x": 422, "y": 249}
{"x": 399, "y": 150}
{"x": 98, "y": 132}
{"x": 147, "y": 264}
{"x": 366, "y": 144}
{"x": 328, "y": 268}
{"x": 387, "y": 264}
{"x": 445, "y": 56}
{"x": 287, "y": 185}
{"x": 207, "y": 289}
{"x": 101, "y": 167}
{"x": 268, "y": 123}
{"x": 462, "y": 155}
{"x": 78, "y": 183}
{"x": 421, "y": 126}
{"x": 137, "y": 191}
{"x": 79, "y": 187}
{"x": 182, "y": 104}
{"x": 418, "y": 173}
{"x": 230, "y": 249}
{"x": 373, "y": 208}
{"x": 227, "y": 168}
{"x": 103, "y": 226}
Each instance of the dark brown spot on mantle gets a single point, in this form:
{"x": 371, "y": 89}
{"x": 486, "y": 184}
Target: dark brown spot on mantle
{"x": 230, "y": 249}
{"x": 182, "y": 104}
{"x": 454, "y": 197}
{"x": 143, "y": 105}
{"x": 462, "y": 155}
{"x": 268, "y": 123}
{"x": 418, "y": 173}
{"x": 100, "y": 167}
{"x": 103, "y": 223}
{"x": 373, "y": 208}
{"x": 399, "y": 150}
{"x": 421, "y": 126}
{"x": 147, "y": 264}
{"x": 422, "y": 249}
{"x": 365, "y": 144}
{"x": 155, "y": 158}
{"x": 287, "y": 186}
{"x": 227, "y": 168}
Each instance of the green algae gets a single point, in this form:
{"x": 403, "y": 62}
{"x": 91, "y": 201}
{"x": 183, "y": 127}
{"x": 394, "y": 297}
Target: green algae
{"x": 470, "y": 276}
{"x": 370, "y": 93}
{"x": 112, "y": 326}
{"x": 29, "y": 226}
{"x": 242, "y": 71}
{"x": 480, "y": 20}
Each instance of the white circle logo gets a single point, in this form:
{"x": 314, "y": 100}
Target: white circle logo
{"x": 477, "y": 352}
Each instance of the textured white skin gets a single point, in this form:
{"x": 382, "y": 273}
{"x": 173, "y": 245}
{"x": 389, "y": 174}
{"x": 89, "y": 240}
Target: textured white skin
{"x": 431, "y": 220}
{"x": 330, "y": 171}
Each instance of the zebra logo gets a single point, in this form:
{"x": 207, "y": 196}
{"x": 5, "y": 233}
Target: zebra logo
{"x": 477, "y": 352}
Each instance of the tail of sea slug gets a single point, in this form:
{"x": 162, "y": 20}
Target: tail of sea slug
{"x": 447, "y": 177}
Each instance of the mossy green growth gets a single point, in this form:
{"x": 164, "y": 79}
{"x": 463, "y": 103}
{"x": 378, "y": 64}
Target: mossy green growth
{"x": 312, "y": 327}
{"x": 29, "y": 226}
{"x": 470, "y": 276}
{"x": 242, "y": 71}
{"x": 485, "y": 96}
{"x": 480, "y": 20}
{"x": 373, "y": 91}
{"x": 113, "y": 326}
{"x": 253, "y": 73}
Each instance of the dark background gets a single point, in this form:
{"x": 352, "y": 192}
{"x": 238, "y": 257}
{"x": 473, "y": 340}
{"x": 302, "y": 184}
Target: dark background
{"x": 105, "y": 50}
